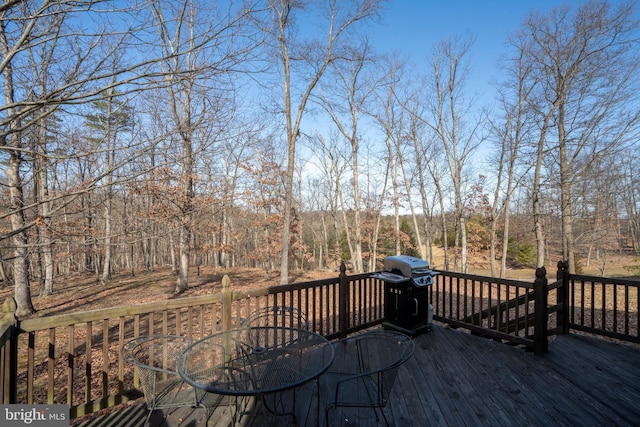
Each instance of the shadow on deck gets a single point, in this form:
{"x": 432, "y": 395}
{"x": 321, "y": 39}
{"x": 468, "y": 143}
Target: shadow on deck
{"x": 459, "y": 379}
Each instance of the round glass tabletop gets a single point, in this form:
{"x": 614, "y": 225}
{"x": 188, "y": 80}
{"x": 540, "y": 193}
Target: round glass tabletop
{"x": 257, "y": 360}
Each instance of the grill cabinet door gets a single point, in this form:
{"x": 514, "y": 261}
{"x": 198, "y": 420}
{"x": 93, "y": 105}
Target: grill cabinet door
{"x": 406, "y": 306}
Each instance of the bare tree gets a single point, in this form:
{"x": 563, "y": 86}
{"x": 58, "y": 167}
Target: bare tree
{"x": 108, "y": 120}
{"x": 398, "y": 125}
{"x": 512, "y": 132}
{"x": 388, "y": 115}
{"x": 599, "y": 234}
{"x": 630, "y": 165}
{"x": 449, "y": 117}
{"x": 585, "y": 65}
{"x": 422, "y": 152}
{"x": 79, "y": 72}
{"x": 331, "y": 159}
{"x": 303, "y": 63}
{"x": 12, "y": 143}
{"x": 345, "y": 101}
{"x": 198, "y": 50}
{"x": 44, "y": 264}
{"x": 375, "y": 199}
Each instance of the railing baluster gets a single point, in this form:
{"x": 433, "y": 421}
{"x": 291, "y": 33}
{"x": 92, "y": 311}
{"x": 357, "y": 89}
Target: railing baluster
{"x": 30, "y": 366}
{"x": 582, "y": 302}
{"x": 626, "y": 311}
{"x": 526, "y": 315}
{"x": 121, "y": 338}
{"x": 105, "y": 357}
{"x": 88, "y": 342}
{"x": 51, "y": 365}
{"x": 615, "y": 308}
{"x": 70, "y": 363}
{"x": 202, "y": 322}
{"x": 152, "y": 324}
{"x": 603, "y": 308}
{"x": 593, "y": 304}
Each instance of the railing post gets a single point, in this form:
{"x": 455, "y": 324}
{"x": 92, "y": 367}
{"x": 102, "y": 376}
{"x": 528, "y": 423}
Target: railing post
{"x": 9, "y": 366}
{"x": 343, "y": 301}
{"x": 564, "y": 314}
{"x": 226, "y": 303}
{"x": 540, "y": 290}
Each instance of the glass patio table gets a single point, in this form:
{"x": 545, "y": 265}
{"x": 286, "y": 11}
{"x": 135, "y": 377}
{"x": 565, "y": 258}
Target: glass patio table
{"x": 255, "y": 361}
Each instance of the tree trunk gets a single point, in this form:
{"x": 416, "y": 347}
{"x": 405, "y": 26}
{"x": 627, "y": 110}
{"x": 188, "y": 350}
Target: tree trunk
{"x": 22, "y": 288}
{"x": 565, "y": 195}
{"x": 345, "y": 219}
{"x": 463, "y": 238}
{"x": 286, "y": 214}
{"x": 505, "y": 237}
{"x": 537, "y": 191}
{"x": 324, "y": 242}
{"x": 42, "y": 195}
{"x": 106, "y": 267}
{"x": 357, "y": 255}
{"x": 422, "y": 187}
{"x": 172, "y": 252}
{"x": 445, "y": 234}
{"x": 185, "y": 249}
{"x": 396, "y": 199}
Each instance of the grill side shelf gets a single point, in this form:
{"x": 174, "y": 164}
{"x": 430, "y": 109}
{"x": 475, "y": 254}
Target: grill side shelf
{"x": 390, "y": 277}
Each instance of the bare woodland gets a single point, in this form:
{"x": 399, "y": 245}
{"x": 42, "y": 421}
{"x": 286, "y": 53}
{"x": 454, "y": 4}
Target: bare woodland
{"x": 271, "y": 134}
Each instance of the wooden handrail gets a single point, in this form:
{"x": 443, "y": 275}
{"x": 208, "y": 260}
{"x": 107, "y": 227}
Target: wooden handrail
{"x": 62, "y": 320}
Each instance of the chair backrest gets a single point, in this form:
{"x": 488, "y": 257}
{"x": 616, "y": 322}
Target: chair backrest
{"x": 215, "y": 361}
{"x": 281, "y": 316}
{"x": 127, "y": 349}
{"x": 155, "y": 357}
{"x": 158, "y": 352}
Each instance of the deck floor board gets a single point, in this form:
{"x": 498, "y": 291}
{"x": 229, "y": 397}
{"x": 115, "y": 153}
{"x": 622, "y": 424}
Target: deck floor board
{"x": 456, "y": 378}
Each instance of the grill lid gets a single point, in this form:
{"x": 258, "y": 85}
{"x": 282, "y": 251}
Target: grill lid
{"x": 407, "y": 265}
{"x": 403, "y": 268}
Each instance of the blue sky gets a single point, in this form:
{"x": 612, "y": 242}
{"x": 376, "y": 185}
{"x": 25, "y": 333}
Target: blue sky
{"x": 413, "y": 26}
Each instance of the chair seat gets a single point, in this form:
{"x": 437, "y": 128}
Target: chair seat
{"x": 352, "y": 390}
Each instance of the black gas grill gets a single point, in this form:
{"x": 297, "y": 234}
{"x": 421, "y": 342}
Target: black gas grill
{"x": 406, "y": 294}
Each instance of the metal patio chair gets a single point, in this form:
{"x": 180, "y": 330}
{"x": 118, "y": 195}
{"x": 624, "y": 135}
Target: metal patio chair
{"x": 286, "y": 320}
{"x": 364, "y": 371}
{"x": 155, "y": 358}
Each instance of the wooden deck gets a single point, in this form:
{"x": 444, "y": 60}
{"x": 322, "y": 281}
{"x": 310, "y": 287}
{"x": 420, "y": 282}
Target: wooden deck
{"x": 457, "y": 379}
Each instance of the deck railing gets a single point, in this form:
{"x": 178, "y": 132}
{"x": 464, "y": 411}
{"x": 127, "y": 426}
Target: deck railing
{"x": 499, "y": 308}
{"x": 600, "y": 305}
{"x": 74, "y": 358}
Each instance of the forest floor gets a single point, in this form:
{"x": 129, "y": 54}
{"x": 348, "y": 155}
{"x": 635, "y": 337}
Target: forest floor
{"x": 81, "y": 292}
